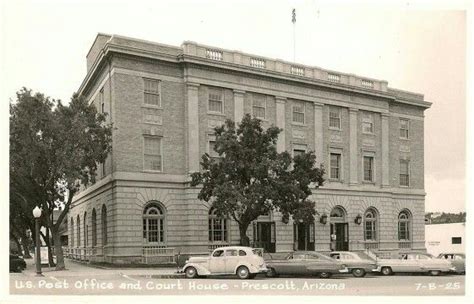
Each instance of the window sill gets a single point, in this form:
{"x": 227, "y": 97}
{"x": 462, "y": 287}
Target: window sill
{"x": 335, "y": 129}
{"x": 298, "y": 124}
{"x": 369, "y": 134}
{"x": 403, "y": 138}
{"x": 145, "y": 105}
{"x": 333, "y": 180}
{"x": 368, "y": 182}
{"x": 216, "y": 113}
{"x": 152, "y": 123}
{"x": 406, "y": 187}
{"x": 152, "y": 171}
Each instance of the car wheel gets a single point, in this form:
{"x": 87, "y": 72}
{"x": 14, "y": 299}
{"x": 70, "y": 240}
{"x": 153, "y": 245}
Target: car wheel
{"x": 325, "y": 275}
{"x": 358, "y": 272}
{"x": 19, "y": 268}
{"x": 243, "y": 272}
{"x": 434, "y": 272}
{"x": 271, "y": 273}
{"x": 386, "y": 271}
{"x": 190, "y": 272}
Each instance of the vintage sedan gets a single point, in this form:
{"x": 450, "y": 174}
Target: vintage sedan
{"x": 245, "y": 262}
{"x": 414, "y": 262}
{"x": 458, "y": 260}
{"x": 304, "y": 263}
{"x": 356, "y": 264}
{"x": 17, "y": 264}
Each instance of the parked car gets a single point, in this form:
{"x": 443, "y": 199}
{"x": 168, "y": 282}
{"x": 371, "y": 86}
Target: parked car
{"x": 304, "y": 263}
{"x": 245, "y": 262}
{"x": 357, "y": 265}
{"x": 414, "y": 262}
{"x": 17, "y": 263}
{"x": 458, "y": 260}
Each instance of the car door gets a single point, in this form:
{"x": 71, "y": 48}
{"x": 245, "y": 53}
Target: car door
{"x": 412, "y": 263}
{"x": 217, "y": 262}
{"x": 231, "y": 260}
{"x": 297, "y": 264}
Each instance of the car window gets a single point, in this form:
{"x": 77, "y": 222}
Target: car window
{"x": 218, "y": 253}
{"x": 336, "y": 256}
{"x": 242, "y": 253}
{"x": 423, "y": 257}
{"x": 298, "y": 256}
{"x": 312, "y": 257}
{"x": 411, "y": 257}
{"x": 231, "y": 252}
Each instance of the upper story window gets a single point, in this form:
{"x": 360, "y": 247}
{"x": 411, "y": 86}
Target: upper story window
{"x": 368, "y": 168}
{"x": 257, "y": 63}
{"x": 259, "y": 106}
{"x": 296, "y": 70}
{"x": 334, "y": 118}
{"x": 214, "y": 54}
{"x": 298, "y": 111}
{"x": 368, "y": 123}
{"x": 367, "y": 83}
{"x": 152, "y": 92}
{"x": 404, "y": 173}
{"x": 216, "y": 100}
{"x": 152, "y": 153}
{"x": 334, "y": 77}
{"x": 404, "y": 128}
{"x": 335, "y": 166}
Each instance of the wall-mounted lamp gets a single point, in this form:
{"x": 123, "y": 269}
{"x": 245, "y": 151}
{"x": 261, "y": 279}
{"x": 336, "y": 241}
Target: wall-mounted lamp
{"x": 358, "y": 219}
{"x": 323, "y": 219}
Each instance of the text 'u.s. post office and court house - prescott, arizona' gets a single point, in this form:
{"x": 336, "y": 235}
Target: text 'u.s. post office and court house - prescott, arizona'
{"x": 164, "y": 102}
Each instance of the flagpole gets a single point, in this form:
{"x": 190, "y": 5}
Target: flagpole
{"x": 293, "y": 20}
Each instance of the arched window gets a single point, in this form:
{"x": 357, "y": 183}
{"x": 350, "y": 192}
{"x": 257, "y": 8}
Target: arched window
{"x": 337, "y": 214}
{"x": 78, "y": 231}
{"x": 103, "y": 223}
{"x": 94, "y": 228}
{"x": 153, "y": 224}
{"x": 370, "y": 225}
{"x": 217, "y": 227}
{"x": 404, "y": 221}
{"x": 85, "y": 230}
{"x": 71, "y": 233}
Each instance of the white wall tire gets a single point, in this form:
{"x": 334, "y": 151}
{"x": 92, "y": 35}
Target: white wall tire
{"x": 386, "y": 271}
{"x": 190, "y": 272}
{"x": 243, "y": 272}
{"x": 358, "y": 272}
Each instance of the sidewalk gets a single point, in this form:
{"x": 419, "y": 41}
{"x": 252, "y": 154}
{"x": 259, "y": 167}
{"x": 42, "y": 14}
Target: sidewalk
{"x": 74, "y": 268}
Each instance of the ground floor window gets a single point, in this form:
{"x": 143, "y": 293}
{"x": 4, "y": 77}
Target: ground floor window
{"x": 404, "y": 226}
{"x": 217, "y": 227}
{"x": 153, "y": 224}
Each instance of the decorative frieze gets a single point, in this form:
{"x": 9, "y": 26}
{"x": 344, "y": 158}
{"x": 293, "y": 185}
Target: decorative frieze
{"x": 299, "y": 134}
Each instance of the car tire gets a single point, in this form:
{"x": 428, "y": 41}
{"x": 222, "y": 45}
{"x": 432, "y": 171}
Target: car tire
{"x": 434, "y": 272}
{"x": 243, "y": 272}
{"x": 325, "y": 275}
{"x": 358, "y": 272}
{"x": 271, "y": 273}
{"x": 190, "y": 272}
{"x": 386, "y": 271}
{"x": 19, "y": 268}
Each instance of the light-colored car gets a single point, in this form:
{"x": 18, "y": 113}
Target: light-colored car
{"x": 304, "y": 263}
{"x": 245, "y": 262}
{"x": 414, "y": 262}
{"x": 458, "y": 260}
{"x": 356, "y": 264}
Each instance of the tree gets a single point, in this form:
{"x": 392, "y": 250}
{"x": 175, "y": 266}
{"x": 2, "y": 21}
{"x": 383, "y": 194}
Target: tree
{"x": 251, "y": 178}
{"x": 54, "y": 148}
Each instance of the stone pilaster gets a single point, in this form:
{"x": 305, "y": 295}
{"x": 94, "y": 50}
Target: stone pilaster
{"x": 192, "y": 104}
{"x": 238, "y": 105}
{"x": 280, "y": 122}
{"x": 318, "y": 133}
{"x": 353, "y": 128}
{"x": 385, "y": 151}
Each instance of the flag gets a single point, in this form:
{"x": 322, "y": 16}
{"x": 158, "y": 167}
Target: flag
{"x": 293, "y": 13}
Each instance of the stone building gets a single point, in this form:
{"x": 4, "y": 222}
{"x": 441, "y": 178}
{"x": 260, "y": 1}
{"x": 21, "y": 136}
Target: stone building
{"x": 164, "y": 102}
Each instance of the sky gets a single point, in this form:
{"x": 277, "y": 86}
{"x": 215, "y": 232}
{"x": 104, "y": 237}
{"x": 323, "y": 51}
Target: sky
{"x": 413, "y": 46}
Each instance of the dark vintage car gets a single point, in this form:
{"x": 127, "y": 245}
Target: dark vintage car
{"x": 458, "y": 260}
{"x": 356, "y": 264}
{"x": 304, "y": 263}
{"x": 17, "y": 264}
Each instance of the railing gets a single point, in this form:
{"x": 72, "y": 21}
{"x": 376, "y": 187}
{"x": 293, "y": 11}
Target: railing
{"x": 371, "y": 245}
{"x": 213, "y": 246}
{"x": 158, "y": 254}
{"x": 404, "y": 244}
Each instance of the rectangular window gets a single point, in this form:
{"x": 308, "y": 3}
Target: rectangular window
{"x": 152, "y": 154}
{"x": 216, "y": 100}
{"x": 298, "y": 112}
{"x": 368, "y": 123}
{"x": 404, "y": 128}
{"x": 404, "y": 173}
{"x": 456, "y": 240}
{"x": 367, "y": 83}
{"x": 335, "y": 118}
{"x": 335, "y": 170}
{"x": 152, "y": 92}
{"x": 259, "y": 106}
{"x": 368, "y": 169}
{"x": 213, "y": 153}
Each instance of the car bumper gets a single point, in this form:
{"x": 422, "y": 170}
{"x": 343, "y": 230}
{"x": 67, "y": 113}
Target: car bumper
{"x": 377, "y": 269}
{"x": 345, "y": 270}
{"x": 259, "y": 269}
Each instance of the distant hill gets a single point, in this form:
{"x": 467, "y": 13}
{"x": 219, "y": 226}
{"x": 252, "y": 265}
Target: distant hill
{"x": 443, "y": 218}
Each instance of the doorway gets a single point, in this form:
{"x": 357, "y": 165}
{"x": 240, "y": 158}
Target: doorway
{"x": 264, "y": 236}
{"x": 341, "y": 231}
{"x": 303, "y": 236}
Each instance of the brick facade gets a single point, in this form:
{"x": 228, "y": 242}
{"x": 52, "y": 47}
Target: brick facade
{"x": 117, "y": 70}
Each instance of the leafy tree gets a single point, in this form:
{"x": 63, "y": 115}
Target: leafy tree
{"x": 54, "y": 148}
{"x": 251, "y": 178}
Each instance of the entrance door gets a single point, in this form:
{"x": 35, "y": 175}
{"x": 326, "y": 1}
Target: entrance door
{"x": 303, "y": 236}
{"x": 341, "y": 231}
{"x": 264, "y": 236}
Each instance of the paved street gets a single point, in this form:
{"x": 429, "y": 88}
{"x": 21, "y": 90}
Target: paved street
{"x": 82, "y": 279}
